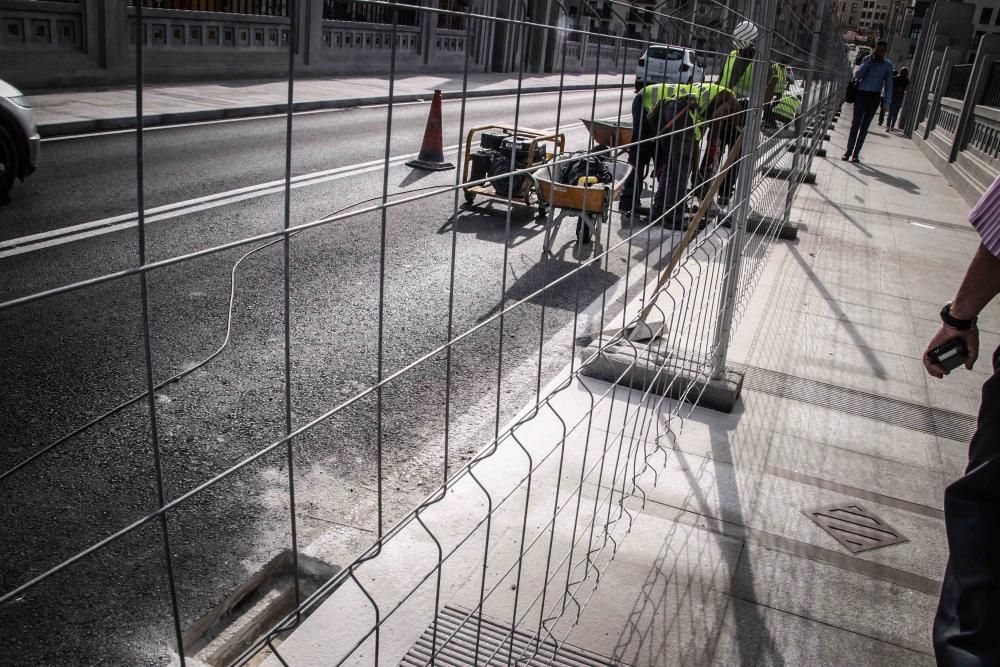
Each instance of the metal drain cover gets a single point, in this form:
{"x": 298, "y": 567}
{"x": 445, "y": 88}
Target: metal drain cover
{"x": 854, "y": 527}
{"x": 455, "y": 645}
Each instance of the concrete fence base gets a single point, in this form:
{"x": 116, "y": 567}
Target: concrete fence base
{"x": 663, "y": 372}
{"x": 786, "y": 175}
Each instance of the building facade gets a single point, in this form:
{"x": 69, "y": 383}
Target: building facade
{"x": 81, "y": 43}
{"x": 986, "y": 18}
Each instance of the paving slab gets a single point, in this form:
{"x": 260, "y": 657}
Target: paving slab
{"x": 60, "y": 113}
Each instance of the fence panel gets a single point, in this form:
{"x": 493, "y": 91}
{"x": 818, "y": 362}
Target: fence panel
{"x": 473, "y": 398}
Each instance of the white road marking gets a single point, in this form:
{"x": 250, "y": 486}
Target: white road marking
{"x": 116, "y": 223}
{"x": 86, "y": 230}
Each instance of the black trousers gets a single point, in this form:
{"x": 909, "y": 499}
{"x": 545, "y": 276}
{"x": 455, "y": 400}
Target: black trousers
{"x": 673, "y": 163}
{"x": 866, "y": 104}
{"x": 967, "y": 625}
{"x": 728, "y": 137}
{"x": 639, "y": 157}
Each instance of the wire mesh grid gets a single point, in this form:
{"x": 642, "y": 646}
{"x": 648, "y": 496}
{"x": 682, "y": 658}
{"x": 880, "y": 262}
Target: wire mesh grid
{"x": 490, "y": 534}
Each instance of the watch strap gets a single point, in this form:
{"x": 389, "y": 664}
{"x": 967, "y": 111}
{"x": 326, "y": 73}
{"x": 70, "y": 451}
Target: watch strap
{"x": 954, "y": 322}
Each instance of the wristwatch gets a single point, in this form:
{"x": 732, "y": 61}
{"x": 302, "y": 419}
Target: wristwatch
{"x": 954, "y": 322}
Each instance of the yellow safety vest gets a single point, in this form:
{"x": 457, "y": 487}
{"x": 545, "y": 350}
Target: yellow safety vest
{"x": 788, "y": 106}
{"x": 657, "y": 92}
{"x": 781, "y": 72}
{"x": 741, "y": 88}
{"x": 706, "y": 94}
{"x": 665, "y": 92}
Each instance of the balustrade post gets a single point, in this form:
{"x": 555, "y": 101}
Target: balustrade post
{"x": 986, "y": 55}
{"x": 311, "y": 32}
{"x": 109, "y": 38}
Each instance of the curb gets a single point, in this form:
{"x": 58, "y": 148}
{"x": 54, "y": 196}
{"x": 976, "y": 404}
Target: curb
{"x": 165, "y": 119}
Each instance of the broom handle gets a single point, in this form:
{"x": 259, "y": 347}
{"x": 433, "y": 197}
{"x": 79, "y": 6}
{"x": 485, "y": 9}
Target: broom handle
{"x": 733, "y": 155}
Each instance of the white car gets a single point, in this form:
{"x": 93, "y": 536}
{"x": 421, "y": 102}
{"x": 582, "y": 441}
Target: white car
{"x": 668, "y": 64}
{"x": 19, "y": 138}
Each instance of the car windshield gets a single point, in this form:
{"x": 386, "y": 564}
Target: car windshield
{"x": 665, "y": 53}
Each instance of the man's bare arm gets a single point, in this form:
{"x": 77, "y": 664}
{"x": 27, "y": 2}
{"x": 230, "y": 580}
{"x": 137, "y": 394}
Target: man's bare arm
{"x": 980, "y": 285}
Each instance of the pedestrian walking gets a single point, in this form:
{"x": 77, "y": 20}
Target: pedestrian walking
{"x": 967, "y": 624}
{"x": 874, "y": 77}
{"x": 884, "y": 107}
{"x": 899, "y": 85}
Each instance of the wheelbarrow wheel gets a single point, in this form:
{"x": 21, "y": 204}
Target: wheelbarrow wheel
{"x": 543, "y": 210}
{"x": 470, "y": 198}
{"x": 582, "y": 231}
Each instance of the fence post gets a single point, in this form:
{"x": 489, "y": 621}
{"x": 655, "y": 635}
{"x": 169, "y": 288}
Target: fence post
{"x": 986, "y": 55}
{"x": 944, "y": 76}
{"x": 747, "y": 173}
{"x": 921, "y": 70}
{"x": 799, "y": 125}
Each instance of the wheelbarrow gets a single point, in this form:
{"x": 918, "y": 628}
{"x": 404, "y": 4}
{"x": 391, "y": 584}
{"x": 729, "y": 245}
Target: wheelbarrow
{"x": 609, "y": 134}
{"x": 590, "y": 204}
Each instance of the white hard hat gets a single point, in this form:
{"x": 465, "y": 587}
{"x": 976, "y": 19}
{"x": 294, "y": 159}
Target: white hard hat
{"x": 745, "y": 35}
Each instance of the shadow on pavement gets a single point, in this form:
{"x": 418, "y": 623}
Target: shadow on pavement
{"x": 888, "y": 179}
{"x": 490, "y": 224}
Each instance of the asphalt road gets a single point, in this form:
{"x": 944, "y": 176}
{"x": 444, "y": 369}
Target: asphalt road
{"x": 70, "y": 358}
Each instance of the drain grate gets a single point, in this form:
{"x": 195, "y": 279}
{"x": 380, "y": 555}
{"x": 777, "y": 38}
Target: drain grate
{"x": 942, "y": 423}
{"x": 456, "y": 646}
{"x": 854, "y": 527}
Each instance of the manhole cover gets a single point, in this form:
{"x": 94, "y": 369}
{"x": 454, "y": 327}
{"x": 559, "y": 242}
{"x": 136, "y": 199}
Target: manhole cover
{"x": 854, "y": 527}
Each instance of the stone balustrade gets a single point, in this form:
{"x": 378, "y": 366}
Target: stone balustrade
{"x": 49, "y": 44}
{"x": 959, "y": 127}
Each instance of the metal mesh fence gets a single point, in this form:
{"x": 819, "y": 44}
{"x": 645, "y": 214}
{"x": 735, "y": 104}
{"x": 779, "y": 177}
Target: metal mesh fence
{"x": 725, "y": 164}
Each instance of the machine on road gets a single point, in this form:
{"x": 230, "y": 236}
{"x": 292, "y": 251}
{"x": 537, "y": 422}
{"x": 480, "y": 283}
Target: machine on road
{"x": 530, "y": 149}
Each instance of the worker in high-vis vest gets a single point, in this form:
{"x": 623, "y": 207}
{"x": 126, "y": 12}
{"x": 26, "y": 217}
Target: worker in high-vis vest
{"x": 641, "y": 152}
{"x": 721, "y": 116}
{"x": 787, "y": 108}
{"x": 737, "y": 71}
{"x": 737, "y": 76}
{"x": 679, "y": 117}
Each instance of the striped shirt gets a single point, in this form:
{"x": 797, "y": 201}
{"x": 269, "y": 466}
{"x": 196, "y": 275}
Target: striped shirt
{"x": 985, "y": 217}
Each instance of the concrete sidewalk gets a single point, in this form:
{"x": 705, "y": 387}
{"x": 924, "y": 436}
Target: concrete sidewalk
{"x": 166, "y": 104}
{"x": 720, "y": 564}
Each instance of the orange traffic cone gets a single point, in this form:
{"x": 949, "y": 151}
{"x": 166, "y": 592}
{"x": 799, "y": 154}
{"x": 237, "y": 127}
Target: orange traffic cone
{"x": 432, "y": 150}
